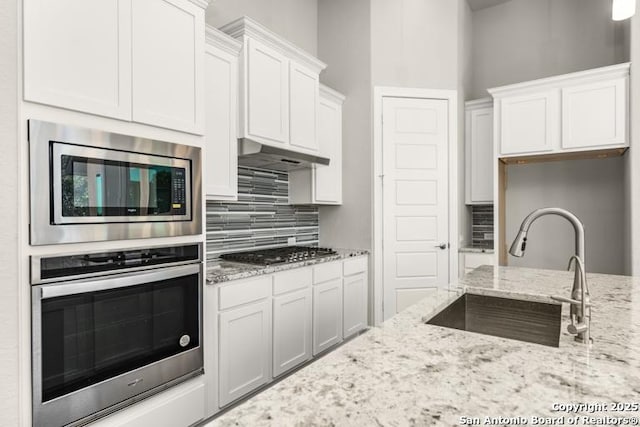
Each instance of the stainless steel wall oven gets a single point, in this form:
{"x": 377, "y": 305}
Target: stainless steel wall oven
{"x": 111, "y": 328}
{"x": 88, "y": 185}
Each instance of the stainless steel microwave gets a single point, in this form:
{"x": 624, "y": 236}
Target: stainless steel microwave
{"x": 89, "y": 185}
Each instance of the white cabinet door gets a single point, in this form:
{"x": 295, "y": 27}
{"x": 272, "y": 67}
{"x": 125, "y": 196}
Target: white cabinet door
{"x": 354, "y": 303}
{"x": 328, "y": 179}
{"x": 267, "y": 93}
{"x": 167, "y": 46}
{"x": 595, "y": 114}
{"x": 303, "y": 101}
{"x": 479, "y": 151}
{"x": 77, "y": 55}
{"x": 291, "y": 330}
{"x": 221, "y": 91}
{"x": 245, "y": 350}
{"x": 529, "y": 123}
{"x": 327, "y": 315}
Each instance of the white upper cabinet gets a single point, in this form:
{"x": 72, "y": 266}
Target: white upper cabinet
{"x": 167, "y": 46}
{"x": 131, "y": 60}
{"x": 77, "y": 55}
{"x": 279, "y": 88}
{"x": 479, "y": 156}
{"x": 585, "y": 126}
{"x": 221, "y": 123}
{"x": 529, "y": 123}
{"x": 303, "y": 102}
{"x": 581, "y": 111}
{"x": 267, "y": 93}
{"x": 323, "y": 184}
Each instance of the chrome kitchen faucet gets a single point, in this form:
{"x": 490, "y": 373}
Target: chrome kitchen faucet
{"x": 580, "y": 302}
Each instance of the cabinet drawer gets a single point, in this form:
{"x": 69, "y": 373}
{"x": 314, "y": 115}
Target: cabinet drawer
{"x": 326, "y": 271}
{"x": 291, "y": 280}
{"x": 476, "y": 260}
{"x": 243, "y": 292}
{"x": 354, "y": 266}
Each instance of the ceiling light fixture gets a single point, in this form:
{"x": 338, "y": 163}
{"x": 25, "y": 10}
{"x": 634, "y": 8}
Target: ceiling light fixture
{"x": 623, "y": 9}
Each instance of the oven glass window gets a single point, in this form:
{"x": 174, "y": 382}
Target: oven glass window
{"x": 90, "y": 337}
{"x": 107, "y": 188}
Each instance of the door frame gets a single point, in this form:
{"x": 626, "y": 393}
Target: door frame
{"x": 379, "y": 93}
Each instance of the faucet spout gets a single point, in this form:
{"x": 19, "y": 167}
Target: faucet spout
{"x": 519, "y": 243}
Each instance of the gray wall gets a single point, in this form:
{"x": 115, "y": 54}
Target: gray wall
{"x": 295, "y": 20}
{"x": 591, "y": 189}
{"x": 465, "y": 74}
{"x": 9, "y": 193}
{"x": 522, "y": 40}
{"x": 349, "y": 72}
{"x": 414, "y": 43}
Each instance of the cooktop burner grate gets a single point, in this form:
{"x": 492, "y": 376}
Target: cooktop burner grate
{"x": 283, "y": 255}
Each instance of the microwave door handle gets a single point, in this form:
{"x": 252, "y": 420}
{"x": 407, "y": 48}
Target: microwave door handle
{"x": 119, "y": 281}
{"x": 144, "y": 191}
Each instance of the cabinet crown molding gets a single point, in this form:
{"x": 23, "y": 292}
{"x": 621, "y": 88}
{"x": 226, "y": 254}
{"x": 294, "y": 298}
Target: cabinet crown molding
{"x": 331, "y": 94}
{"x": 247, "y": 27}
{"x": 479, "y": 103}
{"x": 201, "y": 3}
{"x": 595, "y": 74}
{"x": 221, "y": 40}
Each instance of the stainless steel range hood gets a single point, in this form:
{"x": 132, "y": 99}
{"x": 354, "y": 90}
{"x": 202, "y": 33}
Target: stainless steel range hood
{"x": 256, "y": 155}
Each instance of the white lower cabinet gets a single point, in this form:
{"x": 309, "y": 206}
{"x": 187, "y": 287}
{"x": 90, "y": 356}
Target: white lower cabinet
{"x": 327, "y": 315}
{"x": 354, "y": 312}
{"x": 245, "y": 344}
{"x": 291, "y": 330}
{"x": 270, "y": 324}
{"x": 469, "y": 261}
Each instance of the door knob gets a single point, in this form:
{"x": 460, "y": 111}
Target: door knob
{"x": 442, "y": 246}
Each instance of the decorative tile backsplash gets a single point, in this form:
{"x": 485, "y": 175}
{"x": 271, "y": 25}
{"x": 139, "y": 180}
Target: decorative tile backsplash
{"x": 261, "y": 218}
{"x": 482, "y": 225}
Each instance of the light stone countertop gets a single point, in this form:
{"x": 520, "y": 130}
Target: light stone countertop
{"x": 406, "y": 373}
{"x": 225, "y": 271}
{"x": 476, "y": 250}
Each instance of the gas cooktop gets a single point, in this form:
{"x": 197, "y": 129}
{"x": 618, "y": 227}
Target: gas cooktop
{"x": 284, "y": 255}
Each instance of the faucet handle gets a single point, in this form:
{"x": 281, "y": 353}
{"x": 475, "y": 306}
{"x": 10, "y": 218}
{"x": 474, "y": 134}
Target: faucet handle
{"x": 577, "y": 329}
{"x": 569, "y": 300}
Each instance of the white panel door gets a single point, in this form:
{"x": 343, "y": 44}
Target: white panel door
{"x": 221, "y": 92}
{"x": 245, "y": 350}
{"x": 168, "y": 62}
{"x": 327, "y": 315}
{"x": 595, "y": 114}
{"x": 480, "y": 151}
{"x": 415, "y": 196}
{"x": 529, "y": 123}
{"x": 267, "y": 97}
{"x": 77, "y": 55}
{"x": 354, "y": 289}
{"x": 328, "y": 179}
{"x": 292, "y": 314}
{"x": 304, "y": 91}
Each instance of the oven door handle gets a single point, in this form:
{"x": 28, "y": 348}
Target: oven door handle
{"x": 118, "y": 281}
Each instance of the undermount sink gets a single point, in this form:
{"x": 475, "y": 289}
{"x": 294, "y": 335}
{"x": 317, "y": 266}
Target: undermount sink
{"x": 527, "y": 321}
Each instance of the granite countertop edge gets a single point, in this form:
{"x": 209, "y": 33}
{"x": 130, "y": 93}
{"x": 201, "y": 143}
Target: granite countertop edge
{"x": 220, "y": 271}
{"x": 476, "y": 250}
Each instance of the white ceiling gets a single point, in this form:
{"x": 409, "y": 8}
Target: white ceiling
{"x": 483, "y": 4}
